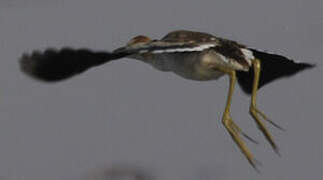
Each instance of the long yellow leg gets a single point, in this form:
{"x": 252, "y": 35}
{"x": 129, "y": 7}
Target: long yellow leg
{"x": 255, "y": 112}
{"x": 233, "y": 128}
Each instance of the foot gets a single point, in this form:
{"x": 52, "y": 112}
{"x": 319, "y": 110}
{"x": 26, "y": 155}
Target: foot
{"x": 235, "y": 132}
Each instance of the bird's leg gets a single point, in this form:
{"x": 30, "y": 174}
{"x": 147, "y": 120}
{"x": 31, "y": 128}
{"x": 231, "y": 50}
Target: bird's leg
{"x": 230, "y": 125}
{"x": 255, "y": 112}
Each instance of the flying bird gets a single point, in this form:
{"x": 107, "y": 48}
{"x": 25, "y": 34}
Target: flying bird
{"x": 191, "y": 55}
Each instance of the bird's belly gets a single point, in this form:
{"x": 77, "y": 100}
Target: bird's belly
{"x": 202, "y": 74}
{"x": 188, "y": 67}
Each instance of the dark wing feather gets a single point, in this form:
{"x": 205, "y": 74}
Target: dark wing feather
{"x": 54, "y": 65}
{"x": 187, "y": 36}
{"x": 232, "y": 50}
{"x": 273, "y": 67}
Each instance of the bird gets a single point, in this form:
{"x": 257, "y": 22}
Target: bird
{"x": 192, "y": 55}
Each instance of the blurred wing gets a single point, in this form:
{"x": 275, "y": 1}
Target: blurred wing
{"x": 55, "y": 65}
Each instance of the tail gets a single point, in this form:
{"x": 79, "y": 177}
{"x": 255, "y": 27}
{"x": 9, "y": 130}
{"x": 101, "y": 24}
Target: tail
{"x": 55, "y": 65}
{"x": 272, "y": 67}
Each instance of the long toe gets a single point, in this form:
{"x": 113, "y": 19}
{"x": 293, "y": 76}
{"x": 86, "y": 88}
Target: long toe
{"x": 235, "y": 134}
{"x": 254, "y": 113}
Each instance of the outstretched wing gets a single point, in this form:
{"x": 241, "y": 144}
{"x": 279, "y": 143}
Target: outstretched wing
{"x": 273, "y": 66}
{"x": 55, "y": 65}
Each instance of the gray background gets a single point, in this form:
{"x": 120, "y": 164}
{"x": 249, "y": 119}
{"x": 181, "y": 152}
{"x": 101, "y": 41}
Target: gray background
{"x": 125, "y": 113}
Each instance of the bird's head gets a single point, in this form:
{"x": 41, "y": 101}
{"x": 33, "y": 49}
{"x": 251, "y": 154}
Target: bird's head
{"x": 139, "y": 40}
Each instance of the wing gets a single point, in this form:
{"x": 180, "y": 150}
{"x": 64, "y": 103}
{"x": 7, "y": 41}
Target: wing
{"x": 227, "y": 48}
{"x": 236, "y": 52}
{"x": 189, "y": 36}
{"x": 191, "y": 41}
{"x": 273, "y": 66}
{"x": 54, "y": 65}
{"x": 176, "y": 41}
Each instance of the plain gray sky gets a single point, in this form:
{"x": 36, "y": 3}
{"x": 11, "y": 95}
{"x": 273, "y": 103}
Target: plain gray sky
{"x": 127, "y": 113}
